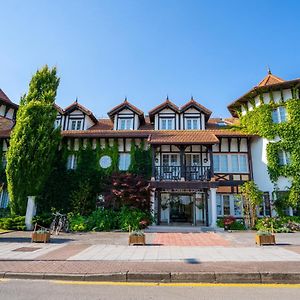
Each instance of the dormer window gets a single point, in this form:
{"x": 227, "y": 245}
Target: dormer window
{"x": 166, "y": 124}
{"x": 125, "y": 124}
{"x": 76, "y": 124}
{"x": 279, "y": 115}
{"x": 192, "y": 123}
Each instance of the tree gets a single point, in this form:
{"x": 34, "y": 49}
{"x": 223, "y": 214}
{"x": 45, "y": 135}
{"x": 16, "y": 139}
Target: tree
{"x": 252, "y": 197}
{"x": 129, "y": 190}
{"x": 34, "y": 140}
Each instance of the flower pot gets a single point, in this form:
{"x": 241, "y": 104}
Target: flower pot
{"x": 136, "y": 240}
{"x": 265, "y": 239}
{"x": 40, "y": 237}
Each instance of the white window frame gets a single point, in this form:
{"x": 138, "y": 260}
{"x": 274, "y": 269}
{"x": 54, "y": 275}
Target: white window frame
{"x": 233, "y": 207}
{"x": 277, "y": 117}
{"x": 229, "y": 159}
{"x": 192, "y": 120}
{"x": 57, "y": 123}
{"x": 284, "y": 157}
{"x": 4, "y": 198}
{"x": 72, "y": 162}
{"x": 125, "y": 124}
{"x": 77, "y": 124}
{"x": 168, "y": 122}
{"x": 124, "y": 161}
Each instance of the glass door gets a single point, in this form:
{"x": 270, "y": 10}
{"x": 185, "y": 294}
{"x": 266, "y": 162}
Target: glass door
{"x": 181, "y": 209}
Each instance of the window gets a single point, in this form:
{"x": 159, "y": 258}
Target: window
{"x": 72, "y": 162}
{"x": 4, "y": 161}
{"x": 229, "y": 205}
{"x": 265, "y": 208}
{"x": 57, "y": 123}
{"x": 124, "y": 161}
{"x": 76, "y": 124}
{"x": 192, "y": 123}
{"x": 227, "y": 163}
{"x": 279, "y": 115}
{"x": 166, "y": 124}
{"x": 284, "y": 157}
{"x": 4, "y": 199}
{"x": 126, "y": 124}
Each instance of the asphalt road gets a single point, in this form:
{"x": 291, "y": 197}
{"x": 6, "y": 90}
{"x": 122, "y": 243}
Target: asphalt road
{"x": 44, "y": 290}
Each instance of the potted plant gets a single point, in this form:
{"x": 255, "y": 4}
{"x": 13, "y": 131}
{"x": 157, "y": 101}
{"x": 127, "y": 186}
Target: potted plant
{"x": 265, "y": 238}
{"x": 137, "y": 237}
{"x": 228, "y": 221}
{"x": 41, "y": 235}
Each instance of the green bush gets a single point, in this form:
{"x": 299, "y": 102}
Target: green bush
{"x": 131, "y": 218}
{"x": 102, "y": 220}
{"x": 236, "y": 225}
{"x": 279, "y": 224}
{"x": 44, "y": 219}
{"x": 13, "y": 223}
{"x": 77, "y": 222}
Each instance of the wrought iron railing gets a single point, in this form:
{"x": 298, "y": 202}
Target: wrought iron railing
{"x": 188, "y": 173}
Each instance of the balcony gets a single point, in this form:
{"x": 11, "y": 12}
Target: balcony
{"x": 178, "y": 173}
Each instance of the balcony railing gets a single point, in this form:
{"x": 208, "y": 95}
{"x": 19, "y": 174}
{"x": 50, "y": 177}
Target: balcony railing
{"x": 188, "y": 173}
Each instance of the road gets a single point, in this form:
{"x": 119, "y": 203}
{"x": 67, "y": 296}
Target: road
{"x": 62, "y": 290}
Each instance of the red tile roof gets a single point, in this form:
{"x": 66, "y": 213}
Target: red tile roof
{"x": 103, "y": 124}
{"x": 5, "y": 127}
{"x": 176, "y": 137}
{"x": 270, "y": 82}
{"x": 4, "y": 98}
{"x": 106, "y": 133}
{"x": 193, "y": 103}
{"x": 165, "y": 104}
{"x": 122, "y": 106}
{"x": 76, "y": 105}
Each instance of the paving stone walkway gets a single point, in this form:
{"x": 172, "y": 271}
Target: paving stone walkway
{"x": 190, "y": 239}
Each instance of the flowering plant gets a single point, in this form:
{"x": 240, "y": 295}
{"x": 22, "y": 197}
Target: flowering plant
{"x": 229, "y": 220}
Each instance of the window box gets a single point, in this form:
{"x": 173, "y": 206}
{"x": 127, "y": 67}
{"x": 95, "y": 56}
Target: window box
{"x": 40, "y": 237}
{"x": 136, "y": 238}
{"x": 265, "y": 238}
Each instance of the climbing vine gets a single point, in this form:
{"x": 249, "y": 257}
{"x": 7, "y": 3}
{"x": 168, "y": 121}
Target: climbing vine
{"x": 258, "y": 121}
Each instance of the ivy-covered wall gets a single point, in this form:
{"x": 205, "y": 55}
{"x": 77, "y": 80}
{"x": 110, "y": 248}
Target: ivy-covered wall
{"x": 77, "y": 190}
{"x": 283, "y": 136}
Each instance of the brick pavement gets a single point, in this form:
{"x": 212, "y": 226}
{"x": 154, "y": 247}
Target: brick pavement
{"x": 190, "y": 239}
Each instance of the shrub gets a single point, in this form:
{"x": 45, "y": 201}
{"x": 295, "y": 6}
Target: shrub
{"x": 232, "y": 223}
{"x": 102, "y": 220}
{"x": 13, "y": 223}
{"x": 44, "y": 219}
{"x": 131, "y": 218}
{"x": 77, "y": 222}
{"x": 279, "y": 224}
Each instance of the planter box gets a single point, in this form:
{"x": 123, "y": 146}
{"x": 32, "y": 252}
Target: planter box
{"x": 40, "y": 237}
{"x": 265, "y": 239}
{"x": 137, "y": 240}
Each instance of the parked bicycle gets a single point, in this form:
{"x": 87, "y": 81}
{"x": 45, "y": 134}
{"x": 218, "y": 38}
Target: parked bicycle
{"x": 59, "y": 223}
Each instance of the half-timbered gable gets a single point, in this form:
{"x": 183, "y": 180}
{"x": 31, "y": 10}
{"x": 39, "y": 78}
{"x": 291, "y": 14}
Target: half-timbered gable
{"x": 193, "y": 116}
{"x": 126, "y": 116}
{"x": 165, "y": 116}
{"x": 8, "y": 109}
{"x": 77, "y": 117}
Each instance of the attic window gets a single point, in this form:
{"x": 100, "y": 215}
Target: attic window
{"x": 221, "y": 123}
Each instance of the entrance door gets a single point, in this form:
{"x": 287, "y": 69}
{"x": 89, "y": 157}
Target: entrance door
{"x": 181, "y": 209}
{"x": 201, "y": 212}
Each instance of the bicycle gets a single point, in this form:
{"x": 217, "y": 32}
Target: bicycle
{"x": 59, "y": 223}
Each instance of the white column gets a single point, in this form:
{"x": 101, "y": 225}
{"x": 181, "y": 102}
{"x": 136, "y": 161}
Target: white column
{"x": 30, "y": 212}
{"x": 291, "y": 213}
{"x": 153, "y": 206}
{"x": 213, "y": 199}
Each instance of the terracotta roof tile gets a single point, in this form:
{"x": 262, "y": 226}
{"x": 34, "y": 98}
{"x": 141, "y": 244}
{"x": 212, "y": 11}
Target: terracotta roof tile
{"x": 163, "y": 105}
{"x": 123, "y": 105}
{"x": 182, "y": 137}
{"x": 75, "y": 105}
{"x": 4, "y": 98}
{"x": 270, "y": 79}
{"x": 194, "y": 103}
{"x": 5, "y": 127}
{"x": 106, "y": 133}
{"x": 103, "y": 124}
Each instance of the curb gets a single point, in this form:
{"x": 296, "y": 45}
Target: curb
{"x": 197, "y": 277}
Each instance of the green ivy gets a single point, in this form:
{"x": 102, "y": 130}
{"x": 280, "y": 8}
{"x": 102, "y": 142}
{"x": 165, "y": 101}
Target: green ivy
{"x": 258, "y": 121}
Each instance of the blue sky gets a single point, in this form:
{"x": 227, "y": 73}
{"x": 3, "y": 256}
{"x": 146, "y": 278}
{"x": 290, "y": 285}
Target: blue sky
{"x": 106, "y": 50}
